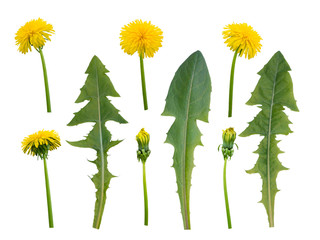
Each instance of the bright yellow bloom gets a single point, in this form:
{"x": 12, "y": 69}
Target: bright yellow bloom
{"x": 141, "y": 37}
{"x": 34, "y": 33}
{"x": 241, "y": 36}
{"x": 39, "y": 143}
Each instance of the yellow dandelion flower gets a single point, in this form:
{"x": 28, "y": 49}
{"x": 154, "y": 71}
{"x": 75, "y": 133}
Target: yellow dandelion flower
{"x": 34, "y": 33}
{"x": 39, "y": 143}
{"x": 142, "y": 37}
{"x": 242, "y": 38}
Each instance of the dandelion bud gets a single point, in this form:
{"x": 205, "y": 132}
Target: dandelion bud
{"x": 143, "y": 139}
{"x": 228, "y": 137}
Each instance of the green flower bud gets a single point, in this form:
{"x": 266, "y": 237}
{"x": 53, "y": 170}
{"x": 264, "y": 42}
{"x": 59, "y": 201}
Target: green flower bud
{"x": 228, "y": 137}
{"x": 143, "y": 139}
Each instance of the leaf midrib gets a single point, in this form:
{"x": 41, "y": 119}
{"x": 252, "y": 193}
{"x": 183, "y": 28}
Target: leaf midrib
{"x": 185, "y": 149}
{"x": 101, "y": 154}
{"x": 268, "y": 148}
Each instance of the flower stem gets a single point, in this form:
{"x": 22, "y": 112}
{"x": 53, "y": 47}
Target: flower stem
{"x": 143, "y": 83}
{"x": 145, "y": 194}
{"x": 231, "y": 83}
{"x": 226, "y": 192}
{"x": 50, "y": 216}
{"x": 46, "y": 84}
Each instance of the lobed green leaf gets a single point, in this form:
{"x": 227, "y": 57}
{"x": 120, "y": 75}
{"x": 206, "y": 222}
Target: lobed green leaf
{"x": 98, "y": 110}
{"x": 273, "y": 92}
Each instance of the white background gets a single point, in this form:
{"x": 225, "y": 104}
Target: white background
{"x": 85, "y": 29}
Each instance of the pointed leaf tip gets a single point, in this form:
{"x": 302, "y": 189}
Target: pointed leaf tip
{"x": 96, "y": 65}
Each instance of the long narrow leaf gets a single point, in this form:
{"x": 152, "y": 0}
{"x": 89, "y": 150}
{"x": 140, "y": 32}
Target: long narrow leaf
{"x": 98, "y": 110}
{"x": 188, "y": 100}
{"x": 273, "y": 92}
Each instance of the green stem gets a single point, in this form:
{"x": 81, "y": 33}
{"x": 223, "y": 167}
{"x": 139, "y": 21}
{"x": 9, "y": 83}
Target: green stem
{"x": 231, "y": 83}
{"x": 145, "y": 194}
{"x": 226, "y": 192}
{"x": 143, "y": 83}
{"x": 46, "y": 84}
{"x": 48, "y": 194}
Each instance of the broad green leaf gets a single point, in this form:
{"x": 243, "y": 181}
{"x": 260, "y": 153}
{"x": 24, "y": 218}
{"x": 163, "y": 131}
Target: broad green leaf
{"x": 273, "y": 91}
{"x": 99, "y": 110}
{"x": 188, "y": 100}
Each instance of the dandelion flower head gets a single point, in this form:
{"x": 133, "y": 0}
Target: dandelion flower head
{"x": 242, "y": 37}
{"x": 142, "y": 37}
{"x": 39, "y": 143}
{"x": 34, "y": 33}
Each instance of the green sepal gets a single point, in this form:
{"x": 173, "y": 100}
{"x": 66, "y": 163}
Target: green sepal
{"x": 41, "y": 151}
{"x": 143, "y": 154}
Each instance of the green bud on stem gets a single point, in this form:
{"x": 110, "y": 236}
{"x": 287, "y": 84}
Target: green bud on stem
{"x": 143, "y": 139}
{"x": 228, "y": 137}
